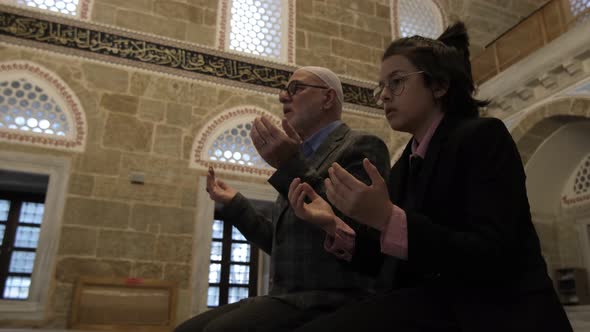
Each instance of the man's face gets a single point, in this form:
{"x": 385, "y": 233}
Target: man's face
{"x": 304, "y": 107}
{"x": 409, "y": 103}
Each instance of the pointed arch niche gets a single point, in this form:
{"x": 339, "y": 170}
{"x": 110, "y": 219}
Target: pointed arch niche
{"x": 39, "y": 108}
{"x": 224, "y": 143}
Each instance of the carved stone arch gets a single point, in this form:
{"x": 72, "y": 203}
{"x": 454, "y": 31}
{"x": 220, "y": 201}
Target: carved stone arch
{"x": 552, "y": 139}
{"x": 533, "y": 128}
{"x": 38, "y": 108}
{"x": 201, "y": 156}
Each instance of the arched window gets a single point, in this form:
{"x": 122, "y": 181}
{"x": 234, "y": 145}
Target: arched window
{"x": 582, "y": 180}
{"x": 577, "y": 190}
{"x": 37, "y": 107}
{"x": 76, "y": 8}
{"x": 262, "y": 28}
{"x": 416, "y": 17}
{"x": 579, "y": 6}
{"x": 225, "y": 143}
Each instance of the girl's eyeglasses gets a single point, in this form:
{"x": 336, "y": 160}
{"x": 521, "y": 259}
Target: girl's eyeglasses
{"x": 395, "y": 85}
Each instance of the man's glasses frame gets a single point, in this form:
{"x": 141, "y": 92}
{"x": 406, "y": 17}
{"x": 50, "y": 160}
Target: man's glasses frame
{"x": 293, "y": 87}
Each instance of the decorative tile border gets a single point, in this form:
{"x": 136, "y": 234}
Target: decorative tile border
{"x": 574, "y": 201}
{"x": 221, "y": 122}
{"x": 291, "y": 33}
{"x": 72, "y": 107}
{"x": 222, "y": 27}
{"x": 152, "y": 53}
{"x": 85, "y": 6}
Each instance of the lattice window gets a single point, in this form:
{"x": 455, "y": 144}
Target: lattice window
{"x": 582, "y": 179}
{"x": 577, "y": 189}
{"x": 579, "y": 6}
{"x": 580, "y": 9}
{"x": 417, "y": 17}
{"x": 225, "y": 143}
{"x": 37, "y": 107}
{"x": 235, "y": 146}
{"x": 76, "y": 8}
{"x": 26, "y": 106}
{"x": 258, "y": 27}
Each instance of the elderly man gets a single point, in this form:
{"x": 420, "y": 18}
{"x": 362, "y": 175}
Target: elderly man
{"x": 306, "y": 280}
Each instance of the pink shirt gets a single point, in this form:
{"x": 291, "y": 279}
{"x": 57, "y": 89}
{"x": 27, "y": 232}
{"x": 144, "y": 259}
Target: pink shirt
{"x": 394, "y": 237}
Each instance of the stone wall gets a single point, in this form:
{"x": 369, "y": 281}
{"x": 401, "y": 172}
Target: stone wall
{"x": 348, "y": 36}
{"x": 187, "y": 20}
{"x": 141, "y": 121}
{"x": 137, "y": 122}
{"x": 486, "y": 20}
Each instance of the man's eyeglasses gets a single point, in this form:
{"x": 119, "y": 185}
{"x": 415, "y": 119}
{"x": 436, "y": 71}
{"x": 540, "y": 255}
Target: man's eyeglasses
{"x": 295, "y": 86}
{"x": 395, "y": 85}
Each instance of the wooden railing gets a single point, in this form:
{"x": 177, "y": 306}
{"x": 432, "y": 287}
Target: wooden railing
{"x": 538, "y": 29}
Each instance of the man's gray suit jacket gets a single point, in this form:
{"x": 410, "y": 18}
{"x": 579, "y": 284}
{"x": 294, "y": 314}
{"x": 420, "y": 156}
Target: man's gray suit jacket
{"x": 302, "y": 272}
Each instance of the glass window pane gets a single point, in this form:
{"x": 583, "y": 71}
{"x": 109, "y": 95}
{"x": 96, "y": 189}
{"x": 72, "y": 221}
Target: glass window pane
{"x": 214, "y": 273}
{"x": 31, "y": 213}
{"x": 216, "y": 248}
{"x": 234, "y": 146}
{"x": 255, "y": 27}
{"x": 17, "y": 288}
{"x": 2, "y": 228}
{"x": 213, "y": 296}
{"x": 419, "y": 18}
{"x": 239, "y": 274}
{"x": 68, "y": 7}
{"x": 582, "y": 180}
{"x": 27, "y": 237}
{"x": 240, "y": 252}
{"x": 237, "y": 293}
{"x": 22, "y": 262}
{"x": 31, "y": 109}
{"x": 4, "y": 207}
{"x": 237, "y": 235}
{"x": 579, "y": 6}
{"x": 217, "y": 229}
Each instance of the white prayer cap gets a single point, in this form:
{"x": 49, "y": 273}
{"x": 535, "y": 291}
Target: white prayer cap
{"x": 328, "y": 77}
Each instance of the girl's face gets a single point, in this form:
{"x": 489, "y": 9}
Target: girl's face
{"x": 408, "y": 103}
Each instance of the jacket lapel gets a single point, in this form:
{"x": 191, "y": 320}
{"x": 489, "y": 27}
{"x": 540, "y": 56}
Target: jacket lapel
{"x": 398, "y": 176}
{"x": 430, "y": 160}
{"x": 317, "y": 159}
{"x": 330, "y": 144}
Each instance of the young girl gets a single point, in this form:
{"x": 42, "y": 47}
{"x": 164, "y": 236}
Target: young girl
{"x": 454, "y": 215}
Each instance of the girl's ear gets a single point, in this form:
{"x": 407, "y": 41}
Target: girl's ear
{"x": 440, "y": 89}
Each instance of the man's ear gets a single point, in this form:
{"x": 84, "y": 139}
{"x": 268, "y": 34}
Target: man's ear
{"x": 330, "y": 99}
